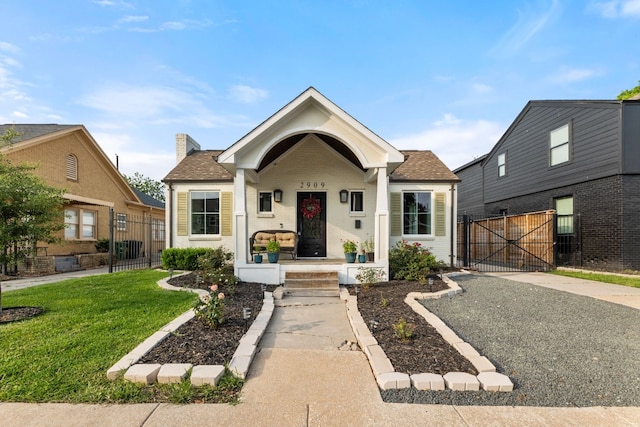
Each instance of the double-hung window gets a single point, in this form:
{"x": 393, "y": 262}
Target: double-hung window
{"x": 79, "y": 224}
{"x": 564, "y": 210}
{"x": 417, "y": 212}
{"x": 502, "y": 164}
{"x": 205, "y": 212}
{"x": 559, "y": 146}
{"x": 121, "y": 222}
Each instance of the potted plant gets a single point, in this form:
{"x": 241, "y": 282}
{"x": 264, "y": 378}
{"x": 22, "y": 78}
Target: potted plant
{"x": 362, "y": 256}
{"x": 350, "y": 249}
{"x": 273, "y": 251}
{"x": 257, "y": 257}
{"x": 368, "y": 248}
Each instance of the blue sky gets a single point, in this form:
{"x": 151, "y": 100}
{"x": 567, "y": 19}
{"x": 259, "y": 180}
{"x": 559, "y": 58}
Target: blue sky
{"x": 446, "y": 76}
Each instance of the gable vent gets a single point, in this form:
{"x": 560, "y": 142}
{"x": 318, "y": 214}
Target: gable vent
{"x": 72, "y": 167}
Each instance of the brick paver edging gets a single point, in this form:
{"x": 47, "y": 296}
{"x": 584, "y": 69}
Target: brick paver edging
{"x": 386, "y": 376}
{"x": 149, "y": 373}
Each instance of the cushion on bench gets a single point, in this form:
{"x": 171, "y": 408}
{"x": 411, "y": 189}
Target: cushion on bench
{"x": 262, "y": 239}
{"x": 287, "y": 240}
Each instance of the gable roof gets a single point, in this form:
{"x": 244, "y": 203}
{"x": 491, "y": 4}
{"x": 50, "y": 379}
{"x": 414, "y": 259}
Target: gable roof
{"x": 311, "y": 112}
{"x": 199, "y": 166}
{"x": 148, "y": 200}
{"x": 422, "y": 166}
{"x": 31, "y": 131}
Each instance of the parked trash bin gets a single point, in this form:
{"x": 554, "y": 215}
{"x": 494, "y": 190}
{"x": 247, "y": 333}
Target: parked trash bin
{"x": 121, "y": 250}
{"x": 133, "y": 248}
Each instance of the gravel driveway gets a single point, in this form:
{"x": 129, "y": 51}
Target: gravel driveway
{"x": 559, "y": 349}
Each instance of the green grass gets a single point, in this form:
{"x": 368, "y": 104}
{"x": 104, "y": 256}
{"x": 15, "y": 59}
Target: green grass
{"x": 633, "y": 282}
{"x": 88, "y": 325}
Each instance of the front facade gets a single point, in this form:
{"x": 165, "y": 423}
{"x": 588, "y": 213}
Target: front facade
{"x": 314, "y": 170}
{"x": 579, "y": 158}
{"x": 68, "y": 157}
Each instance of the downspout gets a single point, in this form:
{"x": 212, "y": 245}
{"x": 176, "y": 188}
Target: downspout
{"x": 453, "y": 225}
{"x": 170, "y": 210}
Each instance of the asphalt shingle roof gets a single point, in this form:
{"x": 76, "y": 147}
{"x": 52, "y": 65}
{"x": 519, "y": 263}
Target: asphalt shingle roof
{"x": 422, "y": 165}
{"x": 34, "y": 131}
{"x": 199, "y": 166}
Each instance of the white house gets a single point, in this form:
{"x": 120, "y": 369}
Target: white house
{"x": 314, "y": 170}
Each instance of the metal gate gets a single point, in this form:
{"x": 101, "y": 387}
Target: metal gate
{"x": 506, "y": 243}
{"x": 136, "y": 241}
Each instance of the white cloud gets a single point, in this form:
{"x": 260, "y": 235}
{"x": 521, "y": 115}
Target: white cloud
{"x": 8, "y": 47}
{"x": 455, "y": 141}
{"x": 19, "y": 115}
{"x": 616, "y": 8}
{"x": 529, "y": 24}
{"x": 481, "y": 88}
{"x": 570, "y": 75}
{"x": 246, "y": 94}
{"x": 131, "y": 18}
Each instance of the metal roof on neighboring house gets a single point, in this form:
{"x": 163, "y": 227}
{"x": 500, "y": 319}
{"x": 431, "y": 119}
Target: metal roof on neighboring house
{"x": 148, "y": 200}
{"x": 199, "y": 166}
{"x": 33, "y": 131}
{"x": 422, "y": 165}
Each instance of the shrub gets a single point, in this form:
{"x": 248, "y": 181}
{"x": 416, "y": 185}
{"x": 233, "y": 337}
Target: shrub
{"x": 216, "y": 267}
{"x": 211, "y": 310}
{"x": 369, "y": 276}
{"x": 411, "y": 261}
{"x": 102, "y": 245}
{"x": 182, "y": 258}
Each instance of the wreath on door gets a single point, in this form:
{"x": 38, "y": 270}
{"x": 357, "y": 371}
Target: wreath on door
{"x": 310, "y": 208}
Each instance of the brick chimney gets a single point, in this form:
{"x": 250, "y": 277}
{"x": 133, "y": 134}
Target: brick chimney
{"x": 184, "y": 145}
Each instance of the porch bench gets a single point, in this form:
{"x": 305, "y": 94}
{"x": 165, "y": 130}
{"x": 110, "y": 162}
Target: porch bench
{"x": 288, "y": 241}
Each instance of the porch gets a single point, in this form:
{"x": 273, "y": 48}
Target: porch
{"x": 275, "y": 273}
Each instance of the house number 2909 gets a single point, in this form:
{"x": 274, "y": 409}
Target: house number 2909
{"x": 309, "y": 184}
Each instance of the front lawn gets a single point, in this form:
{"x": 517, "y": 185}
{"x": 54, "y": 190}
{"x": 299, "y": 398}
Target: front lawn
{"x": 633, "y": 282}
{"x": 88, "y": 324}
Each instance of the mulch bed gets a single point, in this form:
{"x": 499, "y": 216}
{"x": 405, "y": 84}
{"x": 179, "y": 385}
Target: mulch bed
{"x": 194, "y": 342}
{"x": 426, "y": 351}
{"x": 15, "y": 314}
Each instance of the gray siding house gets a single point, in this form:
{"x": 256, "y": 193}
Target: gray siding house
{"x": 581, "y": 158}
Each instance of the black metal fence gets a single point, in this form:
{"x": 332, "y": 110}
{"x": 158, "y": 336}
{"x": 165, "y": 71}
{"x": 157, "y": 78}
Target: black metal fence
{"x": 136, "y": 241}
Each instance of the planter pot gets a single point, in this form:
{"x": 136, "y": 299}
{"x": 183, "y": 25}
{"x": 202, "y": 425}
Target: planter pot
{"x": 273, "y": 257}
{"x": 257, "y": 258}
{"x": 370, "y": 256}
{"x": 350, "y": 257}
{"x": 362, "y": 258}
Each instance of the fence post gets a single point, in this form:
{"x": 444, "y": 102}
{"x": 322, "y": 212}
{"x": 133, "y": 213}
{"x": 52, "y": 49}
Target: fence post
{"x": 465, "y": 240}
{"x": 555, "y": 240}
{"x": 111, "y": 242}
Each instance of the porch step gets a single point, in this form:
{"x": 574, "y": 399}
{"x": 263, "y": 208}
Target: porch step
{"x": 65, "y": 264}
{"x": 311, "y": 283}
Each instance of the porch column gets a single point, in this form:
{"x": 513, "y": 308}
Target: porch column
{"x": 240, "y": 230}
{"x": 382, "y": 217}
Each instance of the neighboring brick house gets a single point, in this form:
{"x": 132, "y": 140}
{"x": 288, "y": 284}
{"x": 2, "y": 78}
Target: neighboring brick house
{"x": 310, "y": 155}
{"x": 580, "y": 158}
{"x": 68, "y": 157}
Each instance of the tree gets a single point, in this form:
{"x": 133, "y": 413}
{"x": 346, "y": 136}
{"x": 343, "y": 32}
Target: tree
{"x": 626, "y": 94}
{"x": 30, "y": 210}
{"x": 147, "y": 185}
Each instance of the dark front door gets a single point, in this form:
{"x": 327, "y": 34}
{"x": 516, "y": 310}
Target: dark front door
{"x": 312, "y": 223}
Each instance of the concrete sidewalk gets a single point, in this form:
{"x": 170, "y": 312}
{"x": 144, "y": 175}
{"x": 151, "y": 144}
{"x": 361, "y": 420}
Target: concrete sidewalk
{"x": 301, "y": 378}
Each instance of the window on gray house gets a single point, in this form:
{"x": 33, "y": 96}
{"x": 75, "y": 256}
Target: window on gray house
{"x": 564, "y": 210}
{"x": 502, "y": 164}
{"x": 559, "y": 146}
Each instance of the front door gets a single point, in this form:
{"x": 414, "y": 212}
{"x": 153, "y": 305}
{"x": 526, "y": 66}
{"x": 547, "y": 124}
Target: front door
{"x": 312, "y": 221}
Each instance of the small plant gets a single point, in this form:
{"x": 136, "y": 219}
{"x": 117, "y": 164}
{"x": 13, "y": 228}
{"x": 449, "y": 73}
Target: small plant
{"x": 349, "y": 246}
{"x": 367, "y": 246}
{"x": 273, "y": 246}
{"x": 211, "y": 309}
{"x": 404, "y": 330}
{"x": 369, "y": 276}
{"x": 383, "y": 301}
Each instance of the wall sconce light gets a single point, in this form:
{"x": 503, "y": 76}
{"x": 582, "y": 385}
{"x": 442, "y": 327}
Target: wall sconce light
{"x": 344, "y": 196}
{"x": 277, "y": 195}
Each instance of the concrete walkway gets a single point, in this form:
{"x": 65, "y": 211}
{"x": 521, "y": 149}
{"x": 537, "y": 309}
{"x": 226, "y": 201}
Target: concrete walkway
{"x": 301, "y": 378}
